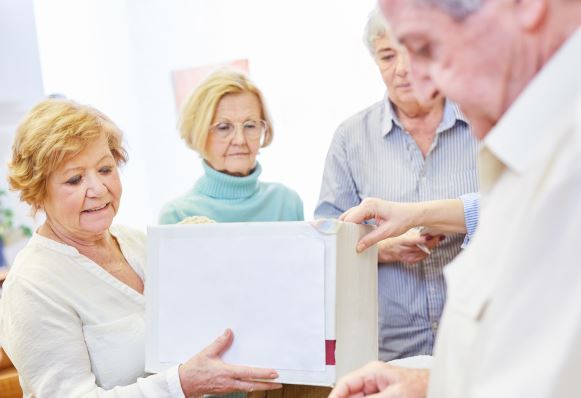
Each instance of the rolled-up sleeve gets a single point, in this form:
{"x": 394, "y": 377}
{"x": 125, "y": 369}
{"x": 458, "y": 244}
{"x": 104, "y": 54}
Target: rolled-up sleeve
{"x": 471, "y": 203}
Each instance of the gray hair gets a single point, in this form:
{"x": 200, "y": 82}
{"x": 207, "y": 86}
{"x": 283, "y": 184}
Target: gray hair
{"x": 376, "y": 27}
{"x": 457, "y": 9}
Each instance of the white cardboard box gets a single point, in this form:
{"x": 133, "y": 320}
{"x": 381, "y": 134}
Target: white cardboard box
{"x": 296, "y": 294}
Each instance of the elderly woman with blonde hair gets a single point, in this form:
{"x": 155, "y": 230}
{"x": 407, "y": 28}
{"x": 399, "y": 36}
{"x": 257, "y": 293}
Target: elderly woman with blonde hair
{"x": 72, "y": 306}
{"x": 225, "y": 120}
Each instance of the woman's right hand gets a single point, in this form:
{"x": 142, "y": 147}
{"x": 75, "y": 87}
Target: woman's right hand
{"x": 206, "y": 373}
{"x": 392, "y": 219}
{"x": 405, "y": 249}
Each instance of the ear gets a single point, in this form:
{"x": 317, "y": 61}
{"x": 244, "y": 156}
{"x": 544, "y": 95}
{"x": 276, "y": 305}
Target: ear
{"x": 530, "y": 14}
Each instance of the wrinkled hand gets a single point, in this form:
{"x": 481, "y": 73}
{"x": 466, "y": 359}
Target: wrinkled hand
{"x": 404, "y": 248}
{"x": 378, "y": 379}
{"x": 197, "y": 220}
{"x": 392, "y": 219}
{"x": 206, "y": 373}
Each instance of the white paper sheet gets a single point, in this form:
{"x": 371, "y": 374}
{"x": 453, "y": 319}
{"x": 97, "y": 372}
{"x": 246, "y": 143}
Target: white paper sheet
{"x": 205, "y": 286}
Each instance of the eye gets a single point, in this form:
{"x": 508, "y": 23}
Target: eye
{"x": 224, "y": 127}
{"x": 250, "y": 125}
{"x": 74, "y": 180}
{"x": 424, "y": 51}
{"x": 106, "y": 170}
{"x": 388, "y": 57}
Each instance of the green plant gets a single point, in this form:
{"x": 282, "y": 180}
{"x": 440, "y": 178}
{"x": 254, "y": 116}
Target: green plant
{"x": 7, "y": 220}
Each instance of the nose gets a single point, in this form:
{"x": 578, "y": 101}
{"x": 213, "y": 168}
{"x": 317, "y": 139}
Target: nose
{"x": 402, "y": 67}
{"x": 238, "y": 138}
{"x": 95, "y": 185}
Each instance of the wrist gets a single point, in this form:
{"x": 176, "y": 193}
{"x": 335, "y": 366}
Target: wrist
{"x": 186, "y": 387}
{"x": 419, "y": 214}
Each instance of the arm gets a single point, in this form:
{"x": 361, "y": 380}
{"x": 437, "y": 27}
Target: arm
{"x": 378, "y": 377}
{"x": 45, "y": 340}
{"x": 338, "y": 190}
{"x": 168, "y": 215}
{"x": 300, "y": 208}
{"x": 394, "y": 219}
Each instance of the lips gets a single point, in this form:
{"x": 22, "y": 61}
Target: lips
{"x": 96, "y": 209}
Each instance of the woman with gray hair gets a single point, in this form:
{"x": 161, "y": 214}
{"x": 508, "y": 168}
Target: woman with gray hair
{"x": 402, "y": 149}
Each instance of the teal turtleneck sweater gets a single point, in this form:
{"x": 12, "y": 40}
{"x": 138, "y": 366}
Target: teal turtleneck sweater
{"x": 225, "y": 198}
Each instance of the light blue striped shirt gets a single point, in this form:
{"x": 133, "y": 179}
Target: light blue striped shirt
{"x": 372, "y": 156}
{"x": 471, "y": 203}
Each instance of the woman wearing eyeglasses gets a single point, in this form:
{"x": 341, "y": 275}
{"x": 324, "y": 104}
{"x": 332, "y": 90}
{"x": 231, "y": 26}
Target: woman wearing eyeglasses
{"x": 226, "y": 121}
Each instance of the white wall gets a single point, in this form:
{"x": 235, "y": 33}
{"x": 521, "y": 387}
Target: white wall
{"x": 86, "y": 52}
{"x": 307, "y": 57}
{"x": 20, "y": 85}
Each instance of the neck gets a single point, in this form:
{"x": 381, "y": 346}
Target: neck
{"x": 52, "y": 231}
{"x": 232, "y": 173}
{"x": 414, "y": 110}
{"x": 221, "y": 185}
{"x": 418, "y": 118}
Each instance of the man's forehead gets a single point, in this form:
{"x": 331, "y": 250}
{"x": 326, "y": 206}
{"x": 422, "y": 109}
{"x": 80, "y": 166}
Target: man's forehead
{"x": 410, "y": 19}
{"x": 400, "y": 9}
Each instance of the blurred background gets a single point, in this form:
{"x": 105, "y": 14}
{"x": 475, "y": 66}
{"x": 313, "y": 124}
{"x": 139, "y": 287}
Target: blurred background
{"x": 307, "y": 57}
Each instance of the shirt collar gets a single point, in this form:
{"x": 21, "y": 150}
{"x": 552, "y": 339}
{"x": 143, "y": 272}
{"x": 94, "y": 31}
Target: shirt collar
{"x": 389, "y": 117}
{"x": 452, "y": 114}
{"x": 529, "y": 130}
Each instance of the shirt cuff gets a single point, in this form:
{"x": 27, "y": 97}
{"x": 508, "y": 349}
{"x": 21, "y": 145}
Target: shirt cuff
{"x": 174, "y": 385}
{"x": 471, "y": 202}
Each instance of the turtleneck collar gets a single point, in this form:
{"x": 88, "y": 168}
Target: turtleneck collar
{"x": 224, "y": 186}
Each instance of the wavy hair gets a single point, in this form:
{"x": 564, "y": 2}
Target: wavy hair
{"x": 53, "y": 131}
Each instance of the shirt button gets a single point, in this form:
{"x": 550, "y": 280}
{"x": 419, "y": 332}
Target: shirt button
{"x": 434, "y": 326}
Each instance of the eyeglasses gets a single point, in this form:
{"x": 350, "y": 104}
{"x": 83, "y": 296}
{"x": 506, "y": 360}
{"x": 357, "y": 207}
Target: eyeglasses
{"x": 252, "y": 129}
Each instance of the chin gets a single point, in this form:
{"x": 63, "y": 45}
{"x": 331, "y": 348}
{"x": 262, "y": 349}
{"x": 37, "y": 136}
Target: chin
{"x": 239, "y": 169}
{"x": 96, "y": 230}
{"x": 238, "y": 172}
{"x": 98, "y": 227}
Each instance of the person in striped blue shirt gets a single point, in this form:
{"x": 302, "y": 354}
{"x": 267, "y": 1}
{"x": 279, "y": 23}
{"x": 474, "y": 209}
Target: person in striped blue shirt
{"x": 404, "y": 150}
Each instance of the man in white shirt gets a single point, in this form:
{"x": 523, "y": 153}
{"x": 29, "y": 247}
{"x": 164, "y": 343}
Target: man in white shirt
{"x": 512, "y": 323}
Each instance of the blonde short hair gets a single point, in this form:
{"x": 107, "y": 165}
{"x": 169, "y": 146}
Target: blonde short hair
{"x": 52, "y": 132}
{"x": 199, "y": 110}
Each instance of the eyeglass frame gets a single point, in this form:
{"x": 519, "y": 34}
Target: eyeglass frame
{"x": 239, "y": 126}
